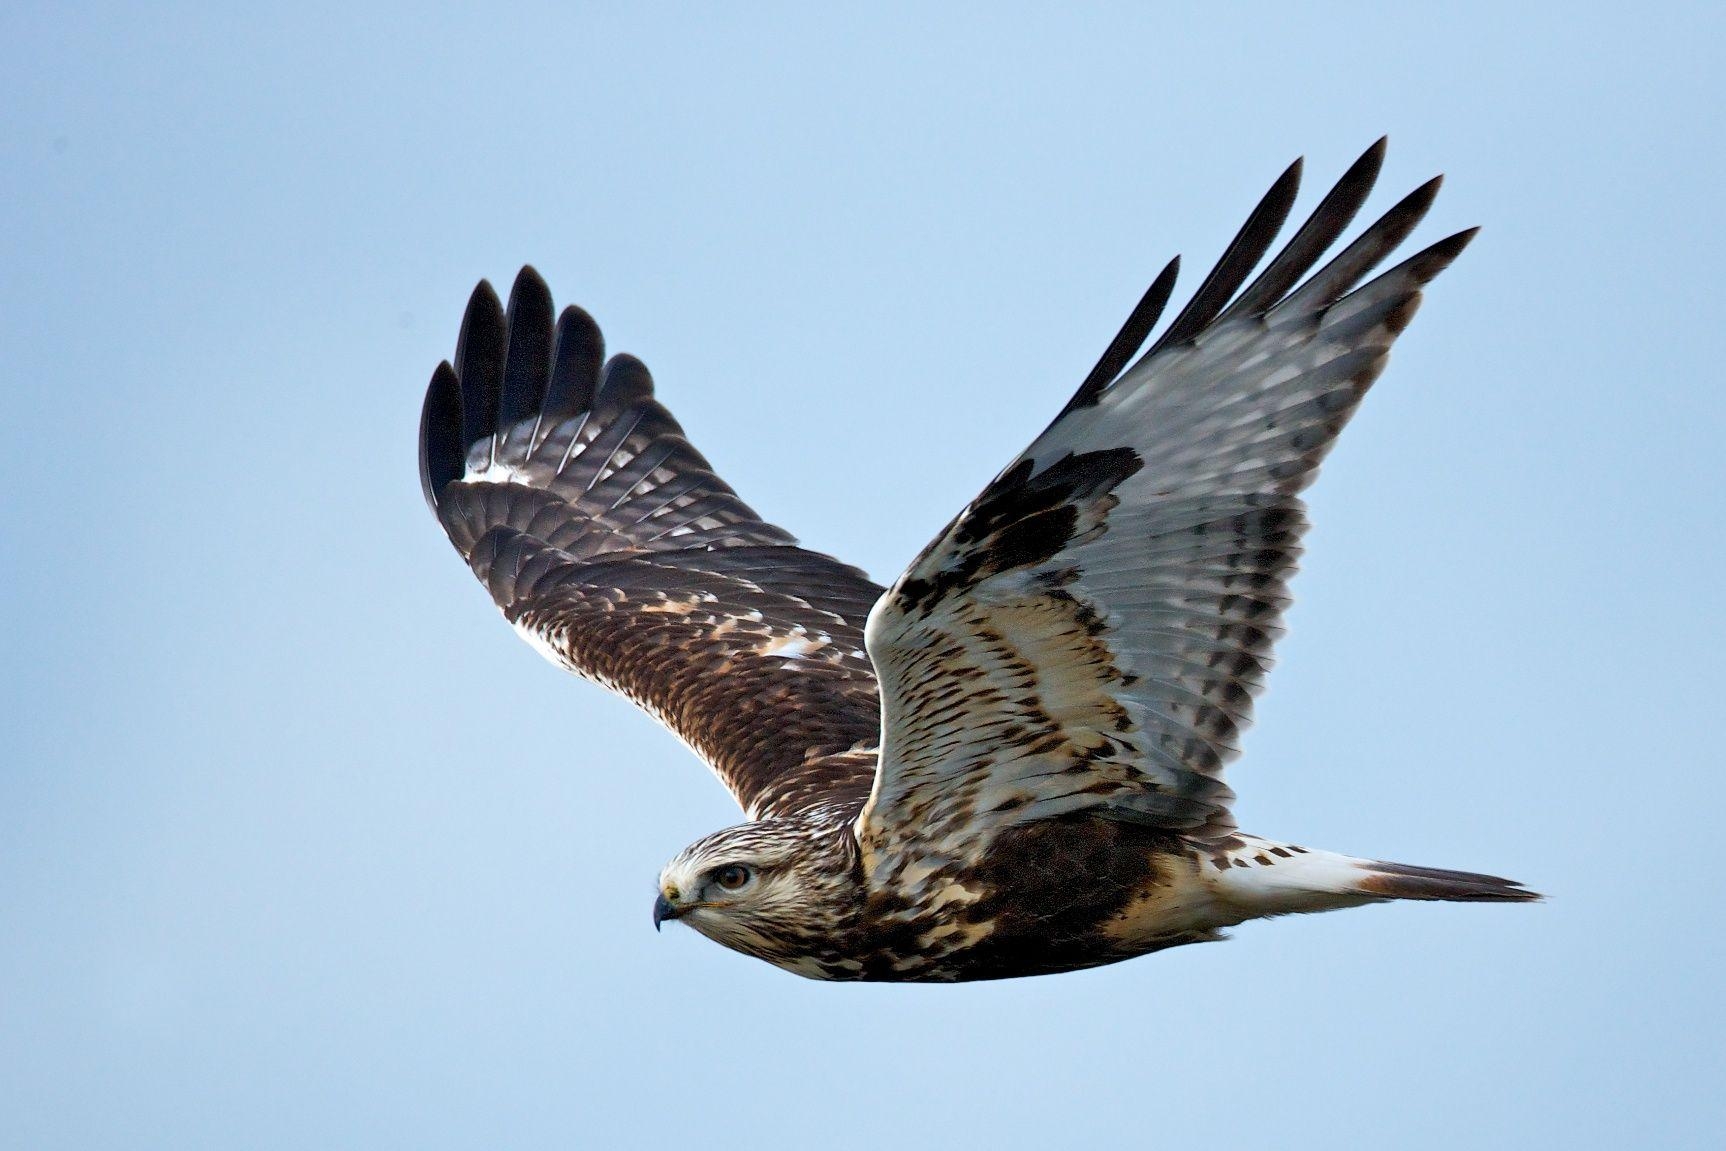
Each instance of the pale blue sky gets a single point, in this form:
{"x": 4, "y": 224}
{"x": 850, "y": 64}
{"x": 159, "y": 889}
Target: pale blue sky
{"x": 301, "y": 847}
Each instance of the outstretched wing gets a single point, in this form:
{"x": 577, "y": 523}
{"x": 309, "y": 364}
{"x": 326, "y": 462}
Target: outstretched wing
{"x": 1089, "y": 634}
{"x": 612, "y": 547}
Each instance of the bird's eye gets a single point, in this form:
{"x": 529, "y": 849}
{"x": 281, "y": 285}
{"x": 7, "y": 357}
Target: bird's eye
{"x": 732, "y": 876}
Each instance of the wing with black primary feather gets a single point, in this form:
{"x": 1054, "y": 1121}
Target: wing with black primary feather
{"x": 1089, "y": 634}
{"x": 610, "y": 544}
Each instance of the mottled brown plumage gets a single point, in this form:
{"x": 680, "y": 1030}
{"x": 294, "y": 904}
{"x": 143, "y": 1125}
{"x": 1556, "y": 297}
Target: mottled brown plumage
{"x": 1016, "y": 767}
{"x": 605, "y": 536}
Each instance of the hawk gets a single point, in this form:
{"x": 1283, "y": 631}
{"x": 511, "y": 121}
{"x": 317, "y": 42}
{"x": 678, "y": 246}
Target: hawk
{"x": 1010, "y": 762}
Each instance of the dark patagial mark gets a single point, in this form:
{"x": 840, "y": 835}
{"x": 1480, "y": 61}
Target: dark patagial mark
{"x": 1023, "y": 519}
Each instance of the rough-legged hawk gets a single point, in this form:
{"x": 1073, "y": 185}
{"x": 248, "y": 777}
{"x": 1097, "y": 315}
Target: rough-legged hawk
{"x": 1011, "y": 761}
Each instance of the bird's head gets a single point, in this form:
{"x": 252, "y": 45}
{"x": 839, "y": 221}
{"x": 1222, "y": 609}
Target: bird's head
{"x": 782, "y": 890}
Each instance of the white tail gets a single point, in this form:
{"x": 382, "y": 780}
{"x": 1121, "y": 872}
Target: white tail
{"x": 1268, "y": 878}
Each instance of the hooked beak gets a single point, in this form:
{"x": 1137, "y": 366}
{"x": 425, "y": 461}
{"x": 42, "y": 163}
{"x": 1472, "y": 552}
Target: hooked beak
{"x": 664, "y": 909}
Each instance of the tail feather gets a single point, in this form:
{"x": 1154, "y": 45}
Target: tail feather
{"x": 1404, "y": 881}
{"x": 1264, "y": 877}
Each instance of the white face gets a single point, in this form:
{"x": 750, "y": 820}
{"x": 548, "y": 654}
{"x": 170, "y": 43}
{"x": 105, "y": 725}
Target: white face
{"x": 694, "y": 886}
{"x": 742, "y": 888}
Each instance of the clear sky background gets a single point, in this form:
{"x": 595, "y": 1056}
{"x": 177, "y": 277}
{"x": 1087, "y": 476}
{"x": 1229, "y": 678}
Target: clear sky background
{"x": 300, "y": 847}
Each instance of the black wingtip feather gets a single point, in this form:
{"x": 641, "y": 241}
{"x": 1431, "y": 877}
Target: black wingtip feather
{"x": 625, "y": 381}
{"x": 1434, "y": 259}
{"x": 1328, "y": 221}
{"x": 1238, "y": 261}
{"x": 578, "y": 351}
{"x": 1130, "y": 338}
{"x": 1277, "y": 283}
{"x": 527, "y": 349}
{"x": 1330, "y": 283}
{"x": 479, "y": 354}
{"x": 442, "y": 451}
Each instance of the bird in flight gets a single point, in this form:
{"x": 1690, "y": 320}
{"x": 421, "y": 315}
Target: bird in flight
{"x": 1011, "y": 761}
